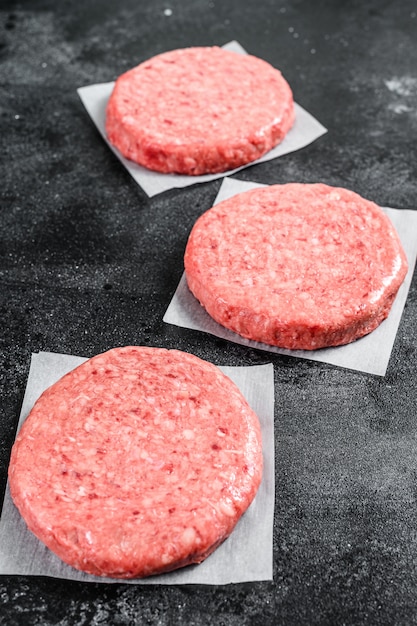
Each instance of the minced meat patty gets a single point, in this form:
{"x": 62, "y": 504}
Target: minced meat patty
{"x": 299, "y": 266}
{"x": 199, "y": 110}
{"x": 139, "y": 461}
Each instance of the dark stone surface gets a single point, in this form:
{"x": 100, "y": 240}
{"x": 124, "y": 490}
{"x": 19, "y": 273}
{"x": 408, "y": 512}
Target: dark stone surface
{"x": 88, "y": 262}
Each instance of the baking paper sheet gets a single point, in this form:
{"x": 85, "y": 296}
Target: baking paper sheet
{"x": 245, "y": 556}
{"x": 369, "y": 354}
{"x": 94, "y": 97}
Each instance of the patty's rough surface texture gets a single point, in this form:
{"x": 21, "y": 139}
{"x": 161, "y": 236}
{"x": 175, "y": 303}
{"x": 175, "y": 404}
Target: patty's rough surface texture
{"x": 199, "y": 110}
{"x": 139, "y": 461}
{"x": 298, "y": 266}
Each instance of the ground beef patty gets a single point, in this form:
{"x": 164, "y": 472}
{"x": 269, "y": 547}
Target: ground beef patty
{"x": 297, "y": 266}
{"x": 199, "y": 110}
{"x": 139, "y": 461}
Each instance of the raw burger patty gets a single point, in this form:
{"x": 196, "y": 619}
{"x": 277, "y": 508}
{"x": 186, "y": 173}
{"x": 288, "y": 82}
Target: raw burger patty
{"x": 199, "y": 110}
{"x": 139, "y": 461}
{"x": 297, "y": 266}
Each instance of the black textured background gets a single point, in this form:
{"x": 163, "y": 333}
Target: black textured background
{"x": 88, "y": 262}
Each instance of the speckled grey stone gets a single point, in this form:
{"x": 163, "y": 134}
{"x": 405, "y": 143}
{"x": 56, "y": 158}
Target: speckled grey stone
{"x": 88, "y": 262}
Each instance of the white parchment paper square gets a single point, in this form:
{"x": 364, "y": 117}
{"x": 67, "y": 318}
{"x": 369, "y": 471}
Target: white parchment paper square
{"x": 245, "y": 556}
{"x": 305, "y": 130}
{"x": 369, "y": 354}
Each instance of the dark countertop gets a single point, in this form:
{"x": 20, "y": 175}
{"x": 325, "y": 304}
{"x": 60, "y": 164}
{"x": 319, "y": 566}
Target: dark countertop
{"x": 88, "y": 262}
